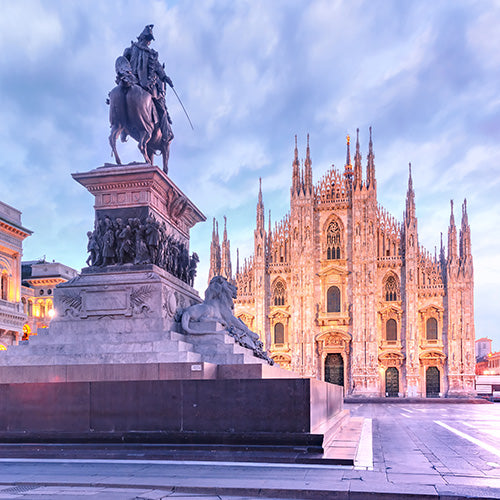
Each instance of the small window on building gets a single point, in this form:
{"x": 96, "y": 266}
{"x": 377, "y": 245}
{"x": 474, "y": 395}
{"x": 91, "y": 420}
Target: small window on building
{"x": 431, "y": 329}
{"x": 41, "y": 292}
{"x": 4, "y": 286}
{"x": 391, "y": 330}
{"x": 279, "y": 333}
{"x": 49, "y": 292}
{"x": 333, "y": 299}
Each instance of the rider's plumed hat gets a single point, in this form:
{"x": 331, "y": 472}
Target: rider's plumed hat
{"x": 147, "y": 33}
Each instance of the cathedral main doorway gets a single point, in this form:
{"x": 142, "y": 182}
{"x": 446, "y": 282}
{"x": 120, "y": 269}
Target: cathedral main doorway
{"x": 334, "y": 369}
{"x": 392, "y": 382}
{"x": 432, "y": 384}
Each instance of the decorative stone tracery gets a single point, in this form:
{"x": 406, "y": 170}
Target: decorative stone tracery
{"x": 334, "y": 240}
{"x": 392, "y": 290}
{"x": 279, "y": 293}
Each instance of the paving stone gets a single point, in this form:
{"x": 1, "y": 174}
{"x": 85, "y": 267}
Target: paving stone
{"x": 153, "y": 495}
{"x": 449, "y": 492}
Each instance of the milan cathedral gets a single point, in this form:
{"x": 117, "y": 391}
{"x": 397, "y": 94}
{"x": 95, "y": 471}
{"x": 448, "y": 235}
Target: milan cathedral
{"x": 342, "y": 291}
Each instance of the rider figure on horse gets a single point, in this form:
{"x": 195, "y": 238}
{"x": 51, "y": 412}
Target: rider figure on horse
{"x": 150, "y": 75}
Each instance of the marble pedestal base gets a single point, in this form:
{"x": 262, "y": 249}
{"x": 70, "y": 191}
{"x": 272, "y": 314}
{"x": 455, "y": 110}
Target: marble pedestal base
{"x": 113, "y": 315}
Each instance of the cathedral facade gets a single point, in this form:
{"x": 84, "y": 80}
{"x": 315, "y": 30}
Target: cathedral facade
{"x": 341, "y": 291}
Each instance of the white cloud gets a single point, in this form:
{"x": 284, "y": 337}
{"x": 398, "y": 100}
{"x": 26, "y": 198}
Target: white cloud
{"x": 27, "y": 29}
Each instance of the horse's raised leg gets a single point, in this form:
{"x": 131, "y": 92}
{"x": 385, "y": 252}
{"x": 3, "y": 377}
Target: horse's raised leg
{"x": 115, "y": 132}
{"x": 143, "y": 146}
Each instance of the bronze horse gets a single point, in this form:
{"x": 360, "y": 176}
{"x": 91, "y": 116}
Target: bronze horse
{"x": 132, "y": 113}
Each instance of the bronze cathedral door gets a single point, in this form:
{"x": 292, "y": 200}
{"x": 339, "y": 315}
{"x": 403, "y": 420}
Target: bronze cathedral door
{"x": 392, "y": 382}
{"x": 432, "y": 385}
{"x": 334, "y": 369}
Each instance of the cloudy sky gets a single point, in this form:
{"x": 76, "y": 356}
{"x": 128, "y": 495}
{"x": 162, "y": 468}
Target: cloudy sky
{"x": 252, "y": 74}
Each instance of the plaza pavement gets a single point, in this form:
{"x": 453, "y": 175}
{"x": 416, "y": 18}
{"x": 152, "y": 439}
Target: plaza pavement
{"x": 417, "y": 451}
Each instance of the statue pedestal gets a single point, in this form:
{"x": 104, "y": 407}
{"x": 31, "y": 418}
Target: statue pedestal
{"x": 159, "y": 216}
{"x": 141, "y": 190}
{"x": 125, "y": 311}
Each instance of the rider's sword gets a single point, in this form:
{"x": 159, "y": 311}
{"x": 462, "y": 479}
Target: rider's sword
{"x": 179, "y": 99}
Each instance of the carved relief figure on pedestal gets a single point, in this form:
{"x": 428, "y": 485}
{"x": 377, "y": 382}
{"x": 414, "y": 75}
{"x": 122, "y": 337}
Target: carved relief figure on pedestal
{"x": 114, "y": 242}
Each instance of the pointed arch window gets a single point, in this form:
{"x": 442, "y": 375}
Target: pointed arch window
{"x": 279, "y": 293}
{"x": 391, "y": 330}
{"x": 279, "y": 333}
{"x": 391, "y": 289}
{"x": 333, "y": 299}
{"x": 333, "y": 241}
{"x": 431, "y": 329}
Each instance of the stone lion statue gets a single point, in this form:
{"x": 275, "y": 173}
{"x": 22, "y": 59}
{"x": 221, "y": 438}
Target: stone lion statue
{"x": 218, "y": 306}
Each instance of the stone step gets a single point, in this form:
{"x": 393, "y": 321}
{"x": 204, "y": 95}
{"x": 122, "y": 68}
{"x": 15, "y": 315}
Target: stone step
{"x": 224, "y": 359}
{"x": 68, "y": 337}
{"x": 104, "y": 358}
{"x": 85, "y": 347}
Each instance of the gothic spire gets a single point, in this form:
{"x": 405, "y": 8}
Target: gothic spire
{"x": 215, "y": 253}
{"x": 370, "y": 169}
{"x": 358, "y": 175}
{"x": 465, "y": 249}
{"x": 296, "y": 170}
{"x": 348, "y": 166}
{"x": 441, "y": 251}
{"x": 348, "y": 155}
{"x": 308, "y": 184}
{"x": 226, "y": 268}
{"x": 260, "y": 209}
{"x": 452, "y": 236}
{"x": 410, "y": 198}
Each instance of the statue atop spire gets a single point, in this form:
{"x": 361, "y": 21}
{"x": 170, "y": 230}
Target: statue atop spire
{"x": 348, "y": 167}
{"x": 260, "y": 209}
{"x": 452, "y": 237}
{"x": 308, "y": 182}
{"x": 296, "y": 181}
{"x": 370, "y": 168}
{"x": 358, "y": 174}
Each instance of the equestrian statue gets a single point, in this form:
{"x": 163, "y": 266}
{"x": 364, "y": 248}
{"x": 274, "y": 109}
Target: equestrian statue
{"x": 137, "y": 104}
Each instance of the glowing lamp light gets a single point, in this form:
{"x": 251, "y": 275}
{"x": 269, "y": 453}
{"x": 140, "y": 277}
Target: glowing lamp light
{"x": 51, "y": 313}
